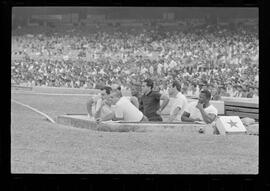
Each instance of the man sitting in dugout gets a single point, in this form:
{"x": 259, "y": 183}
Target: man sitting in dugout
{"x": 150, "y": 101}
{"x": 201, "y": 110}
{"x": 99, "y": 106}
{"x": 123, "y": 109}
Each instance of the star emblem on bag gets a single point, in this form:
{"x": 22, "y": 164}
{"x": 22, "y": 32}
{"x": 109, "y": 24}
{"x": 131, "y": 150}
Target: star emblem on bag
{"x": 232, "y": 124}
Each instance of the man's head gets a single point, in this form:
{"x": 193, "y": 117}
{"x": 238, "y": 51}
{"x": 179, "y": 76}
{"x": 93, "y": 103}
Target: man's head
{"x": 114, "y": 97}
{"x": 215, "y": 90}
{"x": 204, "y": 86}
{"x": 239, "y": 88}
{"x": 175, "y": 87}
{"x": 147, "y": 86}
{"x": 105, "y": 91}
{"x": 204, "y": 96}
{"x": 223, "y": 89}
{"x": 135, "y": 89}
{"x": 251, "y": 88}
{"x": 116, "y": 87}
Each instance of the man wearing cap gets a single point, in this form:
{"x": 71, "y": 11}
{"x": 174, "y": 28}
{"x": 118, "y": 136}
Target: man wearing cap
{"x": 201, "y": 110}
{"x": 150, "y": 101}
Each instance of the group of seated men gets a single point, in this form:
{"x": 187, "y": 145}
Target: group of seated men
{"x": 111, "y": 105}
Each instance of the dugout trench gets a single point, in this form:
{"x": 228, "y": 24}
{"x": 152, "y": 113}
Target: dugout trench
{"x": 81, "y": 120}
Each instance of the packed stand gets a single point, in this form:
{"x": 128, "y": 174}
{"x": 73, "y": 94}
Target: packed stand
{"x": 225, "y": 61}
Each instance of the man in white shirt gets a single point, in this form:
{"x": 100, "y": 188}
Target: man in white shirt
{"x": 179, "y": 102}
{"x": 133, "y": 98}
{"x": 123, "y": 109}
{"x": 201, "y": 110}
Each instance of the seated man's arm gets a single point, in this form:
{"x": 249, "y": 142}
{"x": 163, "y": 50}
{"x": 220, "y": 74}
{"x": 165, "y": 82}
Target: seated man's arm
{"x": 134, "y": 101}
{"x": 115, "y": 115}
{"x": 99, "y": 106}
{"x": 178, "y": 106}
{"x": 165, "y": 101}
{"x": 119, "y": 114}
{"x": 141, "y": 105}
{"x": 118, "y": 119}
{"x": 174, "y": 113}
{"x": 108, "y": 117}
{"x": 208, "y": 118}
{"x": 186, "y": 117}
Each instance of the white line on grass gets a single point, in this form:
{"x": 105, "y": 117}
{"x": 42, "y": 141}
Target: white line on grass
{"x": 39, "y": 112}
{"x": 53, "y": 94}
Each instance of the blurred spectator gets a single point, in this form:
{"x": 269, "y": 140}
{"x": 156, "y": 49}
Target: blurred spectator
{"x": 81, "y": 60}
{"x": 223, "y": 92}
{"x": 216, "y": 94}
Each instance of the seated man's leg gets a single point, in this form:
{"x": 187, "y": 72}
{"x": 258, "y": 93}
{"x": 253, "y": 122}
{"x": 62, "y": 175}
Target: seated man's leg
{"x": 155, "y": 118}
{"x": 144, "y": 119}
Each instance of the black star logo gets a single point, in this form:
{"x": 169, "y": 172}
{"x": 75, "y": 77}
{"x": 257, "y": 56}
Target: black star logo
{"x": 232, "y": 123}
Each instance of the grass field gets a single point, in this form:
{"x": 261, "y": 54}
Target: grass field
{"x": 38, "y": 146}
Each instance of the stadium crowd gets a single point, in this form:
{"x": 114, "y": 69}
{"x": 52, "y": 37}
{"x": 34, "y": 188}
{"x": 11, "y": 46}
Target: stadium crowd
{"x": 226, "y": 61}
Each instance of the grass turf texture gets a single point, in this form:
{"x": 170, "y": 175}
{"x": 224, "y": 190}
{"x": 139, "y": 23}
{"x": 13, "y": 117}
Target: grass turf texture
{"x": 38, "y": 146}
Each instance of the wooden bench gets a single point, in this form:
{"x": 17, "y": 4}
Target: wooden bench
{"x": 242, "y": 109}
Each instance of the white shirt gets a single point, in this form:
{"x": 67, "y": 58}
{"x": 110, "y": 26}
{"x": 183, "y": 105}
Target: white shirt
{"x": 124, "y": 108}
{"x": 195, "y": 112}
{"x": 197, "y": 91}
{"x": 165, "y": 66}
{"x": 179, "y": 101}
{"x": 159, "y": 68}
{"x": 256, "y": 78}
{"x": 151, "y": 69}
{"x": 189, "y": 92}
